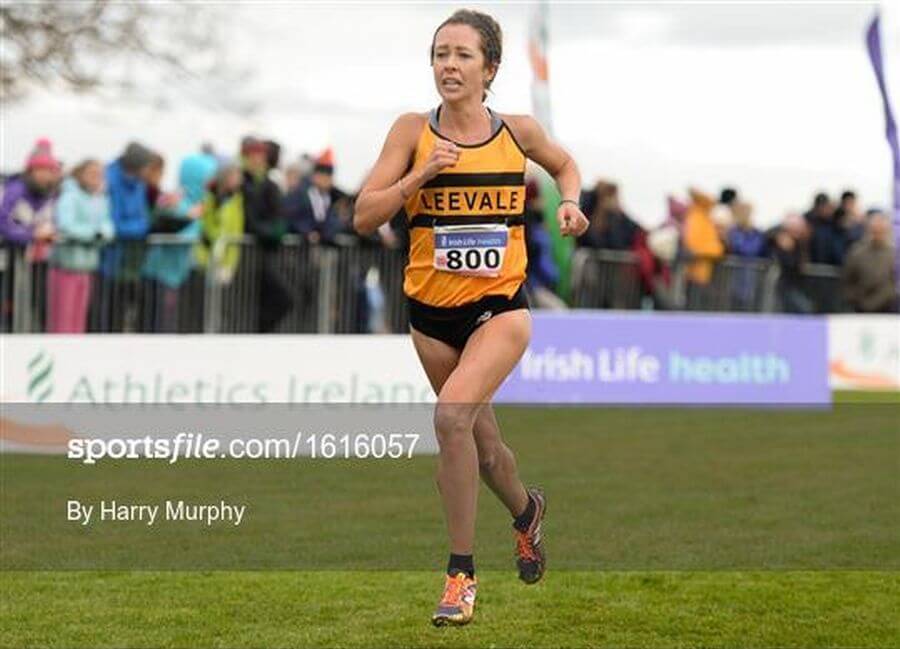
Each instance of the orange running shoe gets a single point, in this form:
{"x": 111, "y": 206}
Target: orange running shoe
{"x": 457, "y": 606}
{"x": 530, "y": 556}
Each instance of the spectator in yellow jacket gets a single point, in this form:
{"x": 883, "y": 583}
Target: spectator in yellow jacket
{"x": 701, "y": 238}
{"x": 223, "y": 223}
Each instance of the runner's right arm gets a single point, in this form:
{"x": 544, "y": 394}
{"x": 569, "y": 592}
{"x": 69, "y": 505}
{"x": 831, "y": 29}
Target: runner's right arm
{"x": 387, "y": 188}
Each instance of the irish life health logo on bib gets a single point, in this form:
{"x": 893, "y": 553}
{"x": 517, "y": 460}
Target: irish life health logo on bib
{"x": 477, "y": 250}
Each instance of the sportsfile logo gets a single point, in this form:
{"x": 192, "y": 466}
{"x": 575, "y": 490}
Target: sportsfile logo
{"x": 40, "y": 377}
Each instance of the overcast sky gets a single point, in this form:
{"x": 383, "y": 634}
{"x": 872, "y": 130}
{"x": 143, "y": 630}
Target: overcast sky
{"x": 777, "y": 99}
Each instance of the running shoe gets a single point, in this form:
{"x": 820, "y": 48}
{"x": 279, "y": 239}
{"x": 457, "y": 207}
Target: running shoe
{"x": 457, "y": 606}
{"x": 529, "y": 545}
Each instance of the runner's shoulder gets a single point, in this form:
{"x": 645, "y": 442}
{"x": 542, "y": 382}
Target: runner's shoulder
{"x": 524, "y": 128}
{"x": 409, "y": 126}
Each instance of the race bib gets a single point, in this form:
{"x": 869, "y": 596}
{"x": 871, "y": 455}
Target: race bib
{"x": 475, "y": 250}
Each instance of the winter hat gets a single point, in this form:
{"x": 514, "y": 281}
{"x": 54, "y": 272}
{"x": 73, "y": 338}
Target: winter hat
{"x": 41, "y": 157}
{"x": 135, "y": 157}
{"x": 325, "y": 162}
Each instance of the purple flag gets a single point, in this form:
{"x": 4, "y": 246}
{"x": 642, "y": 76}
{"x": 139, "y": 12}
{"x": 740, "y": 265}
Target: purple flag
{"x": 873, "y": 43}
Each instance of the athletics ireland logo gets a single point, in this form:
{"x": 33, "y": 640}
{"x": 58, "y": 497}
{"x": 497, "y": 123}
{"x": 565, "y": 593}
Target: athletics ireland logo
{"x": 40, "y": 377}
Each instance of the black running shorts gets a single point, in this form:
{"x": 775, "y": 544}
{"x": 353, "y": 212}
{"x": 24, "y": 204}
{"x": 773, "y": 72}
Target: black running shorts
{"x": 454, "y": 325}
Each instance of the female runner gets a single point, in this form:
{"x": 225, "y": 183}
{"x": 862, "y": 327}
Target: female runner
{"x": 458, "y": 172}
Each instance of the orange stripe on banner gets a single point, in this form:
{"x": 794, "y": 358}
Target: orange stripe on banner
{"x": 35, "y": 435}
{"x": 840, "y": 370}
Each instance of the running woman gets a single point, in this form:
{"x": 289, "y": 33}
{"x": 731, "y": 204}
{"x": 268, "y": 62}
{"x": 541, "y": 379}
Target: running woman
{"x": 459, "y": 174}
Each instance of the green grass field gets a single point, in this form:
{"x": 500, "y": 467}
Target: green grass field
{"x": 667, "y": 528}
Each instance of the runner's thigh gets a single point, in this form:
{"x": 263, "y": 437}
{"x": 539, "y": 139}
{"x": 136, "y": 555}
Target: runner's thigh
{"x": 489, "y": 356}
{"x": 437, "y": 357}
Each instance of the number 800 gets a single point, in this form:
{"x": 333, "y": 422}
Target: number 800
{"x": 473, "y": 259}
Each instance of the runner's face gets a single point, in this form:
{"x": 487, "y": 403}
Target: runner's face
{"x": 458, "y": 63}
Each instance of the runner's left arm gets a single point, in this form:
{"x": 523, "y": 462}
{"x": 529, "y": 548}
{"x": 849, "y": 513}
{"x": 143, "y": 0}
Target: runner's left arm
{"x": 551, "y": 156}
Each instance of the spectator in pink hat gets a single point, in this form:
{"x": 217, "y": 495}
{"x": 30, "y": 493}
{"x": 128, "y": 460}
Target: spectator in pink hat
{"x": 26, "y": 207}
{"x": 26, "y": 225}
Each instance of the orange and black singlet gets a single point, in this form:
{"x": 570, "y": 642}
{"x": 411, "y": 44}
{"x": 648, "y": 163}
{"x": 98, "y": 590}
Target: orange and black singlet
{"x": 467, "y": 229}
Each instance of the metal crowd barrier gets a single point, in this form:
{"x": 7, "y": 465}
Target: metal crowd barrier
{"x": 607, "y": 279}
{"x": 319, "y": 288}
{"x": 164, "y": 285}
{"x": 822, "y": 285}
{"x": 736, "y": 284}
{"x": 239, "y": 286}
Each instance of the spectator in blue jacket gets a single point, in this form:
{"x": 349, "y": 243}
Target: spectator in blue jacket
{"x": 128, "y": 206}
{"x": 169, "y": 263}
{"x": 128, "y": 192}
{"x": 311, "y": 209}
{"x": 746, "y": 241}
{"x": 120, "y": 262}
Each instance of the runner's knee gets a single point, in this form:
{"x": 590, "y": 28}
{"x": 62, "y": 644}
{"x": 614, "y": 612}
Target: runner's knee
{"x": 452, "y": 421}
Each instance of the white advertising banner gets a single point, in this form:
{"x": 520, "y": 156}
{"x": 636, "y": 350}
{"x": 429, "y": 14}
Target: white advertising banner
{"x": 294, "y": 391}
{"x": 159, "y": 369}
{"x": 864, "y": 352}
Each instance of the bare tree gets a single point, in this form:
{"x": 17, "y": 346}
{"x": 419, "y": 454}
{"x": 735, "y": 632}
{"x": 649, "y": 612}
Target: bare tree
{"x": 95, "y": 44}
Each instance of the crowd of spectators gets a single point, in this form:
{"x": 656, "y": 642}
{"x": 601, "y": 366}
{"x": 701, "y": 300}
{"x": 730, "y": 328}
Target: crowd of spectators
{"x": 703, "y": 230}
{"x": 90, "y": 226}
